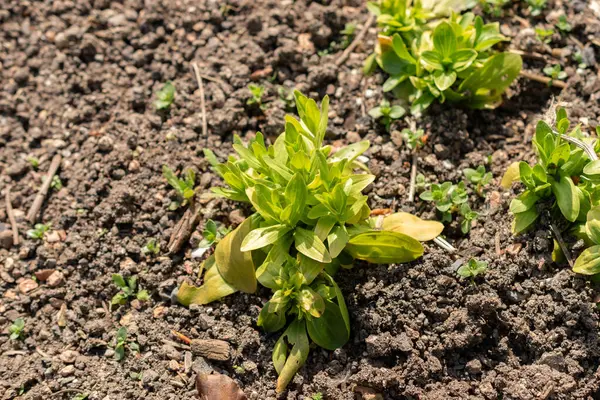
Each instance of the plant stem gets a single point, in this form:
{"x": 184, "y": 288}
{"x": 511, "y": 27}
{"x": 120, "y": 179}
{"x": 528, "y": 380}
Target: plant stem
{"x": 440, "y": 241}
{"x": 413, "y": 178}
{"x": 589, "y": 149}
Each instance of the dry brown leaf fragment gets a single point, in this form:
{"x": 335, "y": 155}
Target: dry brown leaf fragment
{"x": 218, "y": 387}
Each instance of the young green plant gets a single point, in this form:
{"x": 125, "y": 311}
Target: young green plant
{"x": 478, "y": 177}
{"x": 128, "y": 289}
{"x": 472, "y": 269}
{"x": 256, "y": 93}
{"x": 387, "y": 113}
{"x": 17, "y": 329}
{"x": 121, "y": 344}
{"x": 184, "y": 187}
{"x": 38, "y": 231}
{"x": 165, "y": 96}
{"x": 310, "y": 220}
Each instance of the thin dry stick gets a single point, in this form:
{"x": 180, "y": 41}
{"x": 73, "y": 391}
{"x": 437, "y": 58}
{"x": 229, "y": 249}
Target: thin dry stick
{"x": 11, "y": 217}
{"x": 74, "y": 390}
{"x": 359, "y": 38}
{"x": 543, "y": 79}
{"x": 39, "y": 198}
{"x": 202, "y": 100}
{"x": 413, "y": 178}
{"x": 531, "y": 55}
{"x": 562, "y": 244}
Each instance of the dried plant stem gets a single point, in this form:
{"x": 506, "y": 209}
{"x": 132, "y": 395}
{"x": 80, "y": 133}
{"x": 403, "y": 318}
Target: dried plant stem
{"x": 413, "y": 178}
{"x": 357, "y": 40}
{"x": 41, "y": 195}
{"x": 440, "y": 241}
{"x": 11, "y": 217}
{"x": 543, "y": 79}
{"x": 202, "y": 99}
{"x": 562, "y": 244}
{"x": 589, "y": 150}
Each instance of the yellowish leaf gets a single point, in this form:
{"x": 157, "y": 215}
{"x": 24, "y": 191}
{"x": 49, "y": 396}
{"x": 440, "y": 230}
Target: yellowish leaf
{"x": 236, "y": 266}
{"x": 413, "y": 226}
{"x": 511, "y": 175}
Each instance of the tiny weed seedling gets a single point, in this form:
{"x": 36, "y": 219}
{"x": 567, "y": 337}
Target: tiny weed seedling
{"x": 472, "y": 269}
{"x": 544, "y": 35}
{"x": 165, "y": 96}
{"x": 34, "y": 162}
{"x": 563, "y": 24}
{"x": 152, "y": 247}
{"x": 287, "y": 96}
{"x": 122, "y": 343}
{"x": 317, "y": 396}
{"x": 212, "y": 234}
{"x": 38, "y": 231}
{"x": 478, "y": 177}
{"x": 414, "y": 140}
{"x": 536, "y": 7}
{"x": 128, "y": 290}
{"x": 494, "y": 7}
{"x": 448, "y": 59}
{"x": 387, "y": 113}
{"x": 184, "y": 187}
{"x": 310, "y": 221}
{"x": 17, "y": 329}
{"x": 555, "y": 72}
{"x": 80, "y": 396}
{"x": 450, "y": 199}
{"x": 56, "y": 183}
{"x": 563, "y": 187}
{"x": 256, "y": 93}
{"x": 347, "y": 34}
{"x": 239, "y": 369}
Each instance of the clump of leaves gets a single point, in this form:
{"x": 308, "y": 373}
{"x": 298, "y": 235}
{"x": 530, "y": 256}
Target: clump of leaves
{"x": 555, "y": 72}
{"x": 184, "y": 187}
{"x": 536, "y": 7}
{"x": 472, "y": 269}
{"x": 450, "y": 199}
{"x": 564, "y": 187}
{"x": 17, "y": 329}
{"x": 414, "y": 139}
{"x": 387, "y": 113}
{"x": 478, "y": 177}
{"x": 310, "y": 220}
{"x": 38, "y": 231}
{"x": 317, "y": 396}
{"x": 494, "y": 7}
{"x": 152, "y": 247}
{"x": 122, "y": 343}
{"x": 56, "y": 183}
{"x": 563, "y": 24}
{"x": 449, "y": 60}
{"x": 165, "y": 96}
{"x": 544, "y": 35}
{"x": 128, "y": 290}
{"x": 211, "y": 235}
{"x": 256, "y": 93}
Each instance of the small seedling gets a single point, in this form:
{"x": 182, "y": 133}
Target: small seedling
{"x": 478, "y": 177}
{"x": 420, "y": 182}
{"x": 212, "y": 234}
{"x": 257, "y": 92}
{"x": 17, "y": 329}
{"x": 555, "y": 72}
{"x": 386, "y": 113}
{"x": 184, "y": 187}
{"x": 152, "y": 247}
{"x": 450, "y": 199}
{"x": 80, "y": 396}
{"x": 128, "y": 290}
{"x": 348, "y": 33}
{"x": 317, "y": 396}
{"x": 544, "y": 35}
{"x": 414, "y": 140}
{"x": 122, "y": 343}
{"x": 581, "y": 64}
{"x": 536, "y": 7}
{"x": 287, "y": 96}
{"x": 165, "y": 96}
{"x": 494, "y": 7}
{"x": 468, "y": 217}
{"x": 35, "y": 162}
{"x": 239, "y": 369}
{"x": 563, "y": 24}
{"x": 38, "y": 231}
{"x": 56, "y": 183}
{"x": 471, "y": 269}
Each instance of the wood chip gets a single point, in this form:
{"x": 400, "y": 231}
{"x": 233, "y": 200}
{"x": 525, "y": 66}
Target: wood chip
{"x": 212, "y": 349}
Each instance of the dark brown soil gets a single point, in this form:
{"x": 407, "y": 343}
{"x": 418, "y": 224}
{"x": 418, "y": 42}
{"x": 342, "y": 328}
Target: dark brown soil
{"x": 77, "y": 78}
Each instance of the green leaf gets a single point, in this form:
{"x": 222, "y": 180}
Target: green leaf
{"x": 462, "y": 59}
{"x": 324, "y": 226}
{"x": 588, "y": 262}
{"x": 119, "y": 299}
{"x": 511, "y": 175}
{"x": 329, "y": 331}
{"x": 431, "y": 60}
{"x": 295, "y": 195}
{"x": 592, "y": 225}
{"x": 271, "y": 322}
{"x": 523, "y": 202}
{"x": 592, "y": 169}
{"x": 261, "y": 237}
{"x": 119, "y": 281}
{"x": 566, "y": 197}
{"x": 309, "y": 244}
{"x": 397, "y": 112}
{"x": 234, "y": 265}
{"x": 412, "y": 226}
{"x": 286, "y": 364}
{"x": 337, "y": 240}
{"x": 142, "y": 295}
{"x": 443, "y": 80}
{"x": 214, "y": 287}
{"x": 524, "y": 220}
{"x": 370, "y": 64}
{"x": 383, "y": 247}
{"x": 444, "y": 40}
{"x": 400, "y": 49}
{"x": 350, "y": 152}
{"x": 165, "y": 96}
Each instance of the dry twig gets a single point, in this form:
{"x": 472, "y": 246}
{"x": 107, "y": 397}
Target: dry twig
{"x": 413, "y": 178}
{"x": 202, "y": 99}
{"x": 357, "y": 40}
{"x": 11, "y": 217}
{"x": 185, "y": 226}
{"x": 41, "y": 195}
{"x": 543, "y": 79}
{"x": 562, "y": 244}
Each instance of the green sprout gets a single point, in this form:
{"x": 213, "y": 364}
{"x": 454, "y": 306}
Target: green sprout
{"x": 34, "y": 161}
{"x": 414, "y": 140}
{"x": 38, "y": 231}
{"x": 472, "y": 269}
{"x": 184, "y": 187}
{"x": 287, "y": 96}
{"x": 17, "y": 329}
{"x": 386, "y": 113}
{"x": 478, "y": 177}
{"x": 80, "y": 396}
{"x": 348, "y": 33}
{"x": 544, "y": 35}
{"x": 128, "y": 290}
{"x": 152, "y": 247}
{"x": 563, "y": 24}
{"x": 165, "y": 96}
{"x": 536, "y": 7}
{"x": 257, "y": 92}
{"x": 555, "y": 72}
{"x": 494, "y": 7}
{"x": 56, "y": 183}
{"x": 317, "y": 396}
{"x": 450, "y": 199}
{"x": 469, "y": 216}
{"x": 122, "y": 343}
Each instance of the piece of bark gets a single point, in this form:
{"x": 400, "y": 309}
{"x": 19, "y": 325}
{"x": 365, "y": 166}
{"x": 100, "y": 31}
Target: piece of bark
{"x": 41, "y": 195}
{"x": 184, "y": 228}
{"x": 212, "y": 349}
{"x": 218, "y": 387}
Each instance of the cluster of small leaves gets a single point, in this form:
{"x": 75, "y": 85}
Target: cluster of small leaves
{"x": 128, "y": 290}
{"x": 212, "y": 234}
{"x": 564, "y": 185}
{"x": 121, "y": 343}
{"x": 451, "y": 199}
{"x": 184, "y": 187}
{"x": 563, "y": 24}
{"x": 478, "y": 177}
{"x": 494, "y": 7}
{"x": 317, "y": 396}
{"x": 387, "y": 113}
{"x": 536, "y": 6}
{"x": 414, "y": 139}
{"x": 544, "y": 35}
{"x": 165, "y": 96}
{"x": 152, "y": 247}
{"x": 38, "y": 231}
{"x": 34, "y": 162}
{"x": 287, "y": 96}
{"x": 56, "y": 183}
{"x": 256, "y": 92}
{"x": 555, "y": 72}
{"x": 471, "y": 269}
{"x": 347, "y": 34}
{"x": 448, "y": 59}
{"x": 17, "y": 329}
{"x": 310, "y": 219}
